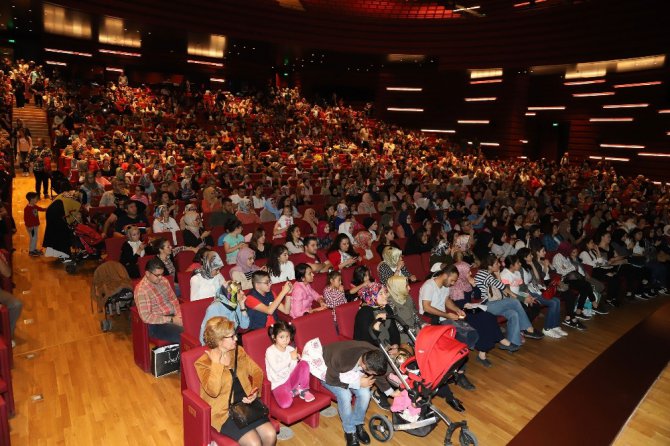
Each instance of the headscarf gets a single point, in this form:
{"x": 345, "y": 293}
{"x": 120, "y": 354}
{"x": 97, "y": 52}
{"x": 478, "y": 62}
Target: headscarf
{"x": 310, "y": 217}
{"x": 323, "y": 230}
{"x": 190, "y": 222}
{"x": 397, "y": 289}
{"x": 462, "y": 242}
{"x": 210, "y": 262}
{"x": 369, "y": 294}
{"x": 391, "y": 257}
{"x": 244, "y": 205}
{"x": 346, "y": 228}
{"x": 209, "y": 195}
{"x": 270, "y": 206}
{"x": 363, "y": 239}
{"x": 120, "y": 174}
{"x": 158, "y": 213}
{"x": 342, "y": 210}
{"x": 242, "y": 260}
{"x": 442, "y": 248}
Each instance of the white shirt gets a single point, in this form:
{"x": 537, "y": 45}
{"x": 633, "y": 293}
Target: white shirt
{"x": 202, "y": 288}
{"x": 170, "y": 226}
{"x": 259, "y": 203}
{"x": 279, "y": 365}
{"x": 436, "y": 295}
{"x": 286, "y": 272}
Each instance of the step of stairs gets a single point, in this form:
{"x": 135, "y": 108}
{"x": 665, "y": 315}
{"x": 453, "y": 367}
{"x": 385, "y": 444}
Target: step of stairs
{"x": 35, "y": 119}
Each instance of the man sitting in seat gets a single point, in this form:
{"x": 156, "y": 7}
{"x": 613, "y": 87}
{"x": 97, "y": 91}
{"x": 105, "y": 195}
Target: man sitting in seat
{"x": 310, "y": 256}
{"x": 352, "y": 368}
{"x": 157, "y": 303}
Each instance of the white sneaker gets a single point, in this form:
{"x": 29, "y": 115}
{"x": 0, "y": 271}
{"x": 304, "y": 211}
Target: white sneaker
{"x": 551, "y": 333}
{"x": 560, "y": 331}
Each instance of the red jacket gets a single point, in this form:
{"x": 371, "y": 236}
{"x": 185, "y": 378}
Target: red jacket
{"x": 30, "y": 216}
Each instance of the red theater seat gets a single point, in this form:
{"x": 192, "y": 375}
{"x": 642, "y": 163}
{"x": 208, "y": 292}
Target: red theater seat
{"x": 141, "y": 341}
{"x": 113, "y": 247}
{"x": 346, "y": 318}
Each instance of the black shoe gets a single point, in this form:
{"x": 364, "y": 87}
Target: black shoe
{"x": 352, "y": 439}
{"x": 510, "y": 348}
{"x": 456, "y": 404}
{"x": 614, "y": 303}
{"x": 601, "y": 310}
{"x": 532, "y": 334}
{"x": 363, "y": 436}
{"x": 464, "y": 382}
{"x": 381, "y": 400}
{"x": 583, "y": 317}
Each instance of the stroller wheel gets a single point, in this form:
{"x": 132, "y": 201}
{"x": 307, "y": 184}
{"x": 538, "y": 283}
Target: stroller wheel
{"x": 71, "y": 268}
{"x": 467, "y": 438}
{"x": 105, "y": 325}
{"x": 381, "y": 428}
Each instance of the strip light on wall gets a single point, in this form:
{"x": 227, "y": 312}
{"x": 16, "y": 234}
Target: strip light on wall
{"x": 481, "y": 73}
{"x": 595, "y": 81}
{"x": 216, "y": 79}
{"x": 626, "y": 106}
{"x": 660, "y": 155}
{"x": 53, "y": 62}
{"x": 490, "y": 144}
{"x": 621, "y": 146}
{"x": 520, "y": 5}
{"x": 639, "y": 84}
{"x": 611, "y": 119}
{"x": 204, "y": 62}
{"x": 473, "y": 121}
{"x": 486, "y": 81}
{"x": 118, "y": 70}
{"x": 522, "y": 157}
{"x": 523, "y": 141}
{"x": 404, "y": 89}
{"x": 404, "y": 109}
{"x": 120, "y": 53}
{"x": 483, "y": 99}
{"x": 550, "y": 107}
{"x": 471, "y": 8}
{"x": 437, "y": 131}
{"x": 73, "y": 53}
{"x": 609, "y": 158}
{"x": 531, "y": 114}
{"x": 588, "y": 95}
{"x": 667, "y": 110}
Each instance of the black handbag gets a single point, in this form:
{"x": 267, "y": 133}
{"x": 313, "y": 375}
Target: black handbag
{"x": 244, "y": 414}
{"x": 165, "y": 360}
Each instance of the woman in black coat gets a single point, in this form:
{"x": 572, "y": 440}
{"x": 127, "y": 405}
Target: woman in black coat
{"x": 373, "y": 313}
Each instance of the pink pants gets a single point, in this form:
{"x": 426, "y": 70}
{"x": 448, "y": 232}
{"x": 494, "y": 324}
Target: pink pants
{"x": 299, "y": 379}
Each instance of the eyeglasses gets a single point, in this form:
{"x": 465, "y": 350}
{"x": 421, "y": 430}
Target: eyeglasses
{"x": 232, "y": 336}
{"x": 154, "y": 274}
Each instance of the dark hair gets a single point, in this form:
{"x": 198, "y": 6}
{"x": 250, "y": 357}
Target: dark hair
{"x": 273, "y": 265}
{"x": 335, "y": 246}
{"x": 253, "y": 243}
{"x": 197, "y": 258}
{"x": 259, "y": 275}
{"x": 522, "y": 254}
{"x": 359, "y": 275}
{"x": 488, "y": 261}
{"x": 155, "y": 264}
{"x": 333, "y": 274}
{"x": 375, "y": 361}
{"x": 310, "y": 238}
{"x": 157, "y": 244}
{"x": 233, "y": 224}
{"x": 301, "y": 271}
{"x": 280, "y": 326}
{"x": 31, "y": 195}
{"x": 382, "y": 234}
{"x": 226, "y": 200}
{"x": 511, "y": 260}
{"x": 448, "y": 270}
{"x": 289, "y": 233}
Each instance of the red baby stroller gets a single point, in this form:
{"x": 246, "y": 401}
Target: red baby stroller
{"x": 437, "y": 355}
{"x": 87, "y": 245}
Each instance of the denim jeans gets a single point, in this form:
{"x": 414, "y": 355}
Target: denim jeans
{"x": 350, "y": 416}
{"x": 553, "y": 318}
{"x": 512, "y": 310}
{"x": 166, "y": 332}
{"x": 32, "y": 233}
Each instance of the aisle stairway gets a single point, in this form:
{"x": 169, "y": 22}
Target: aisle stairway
{"x": 35, "y": 119}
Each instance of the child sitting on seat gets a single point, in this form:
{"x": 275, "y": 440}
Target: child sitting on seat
{"x": 288, "y": 375}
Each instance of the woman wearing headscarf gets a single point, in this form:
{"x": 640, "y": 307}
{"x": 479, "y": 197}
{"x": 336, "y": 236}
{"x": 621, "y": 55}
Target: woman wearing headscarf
{"x": 244, "y": 268}
{"x": 232, "y": 308}
{"x": 270, "y": 211}
{"x": 211, "y": 201}
{"x": 146, "y": 182}
{"x": 372, "y": 314}
{"x": 311, "y": 220}
{"x": 341, "y": 213}
{"x": 393, "y": 264}
{"x": 347, "y": 228}
{"x": 245, "y": 214}
{"x": 363, "y": 245}
{"x": 194, "y": 236}
{"x": 163, "y": 222}
{"x": 403, "y": 306}
{"x": 191, "y": 207}
{"x": 207, "y": 280}
{"x": 60, "y": 214}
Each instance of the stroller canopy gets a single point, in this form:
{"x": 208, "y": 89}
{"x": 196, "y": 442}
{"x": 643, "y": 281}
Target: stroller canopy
{"x": 437, "y": 351}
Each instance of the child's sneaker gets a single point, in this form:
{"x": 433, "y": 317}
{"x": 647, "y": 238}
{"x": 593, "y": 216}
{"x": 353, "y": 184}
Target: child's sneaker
{"x": 307, "y": 396}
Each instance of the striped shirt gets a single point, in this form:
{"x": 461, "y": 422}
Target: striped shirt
{"x": 485, "y": 280}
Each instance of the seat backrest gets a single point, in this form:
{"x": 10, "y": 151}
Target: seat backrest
{"x": 320, "y": 282}
{"x": 166, "y": 235}
{"x": 415, "y": 266}
{"x": 346, "y": 318}
{"x": 256, "y": 342}
{"x": 347, "y": 276}
{"x": 315, "y": 325}
{"x": 192, "y": 314}
{"x": 188, "y": 359}
{"x": 414, "y": 290}
{"x": 113, "y": 247}
{"x": 142, "y": 264}
{"x": 184, "y": 280}
{"x": 217, "y": 231}
{"x": 183, "y": 260}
